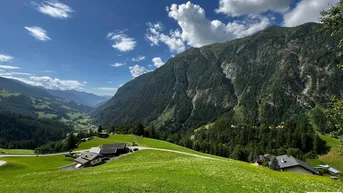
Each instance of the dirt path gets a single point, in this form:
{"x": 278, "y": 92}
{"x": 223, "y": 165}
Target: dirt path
{"x": 2, "y": 163}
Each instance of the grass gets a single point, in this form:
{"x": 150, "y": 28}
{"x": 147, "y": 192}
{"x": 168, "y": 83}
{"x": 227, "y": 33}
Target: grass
{"x": 155, "y": 171}
{"x": 16, "y": 151}
{"x": 5, "y": 93}
{"x": 46, "y": 115}
{"x": 145, "y": 142}
{"x": 332, "y": 158}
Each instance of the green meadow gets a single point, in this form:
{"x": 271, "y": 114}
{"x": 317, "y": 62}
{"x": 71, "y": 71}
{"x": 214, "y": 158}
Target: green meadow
{"x": 16, "y": 151}
{"x": 153, "y": 171}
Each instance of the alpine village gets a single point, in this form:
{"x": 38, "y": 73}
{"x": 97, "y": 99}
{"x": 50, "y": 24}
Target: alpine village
{"x": 250, "y": 98}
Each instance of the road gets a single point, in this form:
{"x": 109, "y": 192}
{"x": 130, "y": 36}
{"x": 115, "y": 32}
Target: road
{"x": 139, "y": 147}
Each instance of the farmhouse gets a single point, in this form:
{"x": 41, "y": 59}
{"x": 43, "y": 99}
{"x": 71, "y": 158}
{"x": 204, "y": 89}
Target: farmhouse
{"x": 260, "y": 160}
{"x": 332, "y": 171}
{"x": 291, "y": 164}
{"x": 89, "y": 159}
{"x": 110, "y": 149}
{"x": 103, "y": 135}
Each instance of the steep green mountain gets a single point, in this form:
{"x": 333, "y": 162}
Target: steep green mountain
{"x": 84, "y": 98}
{"x": 271, "y": 76}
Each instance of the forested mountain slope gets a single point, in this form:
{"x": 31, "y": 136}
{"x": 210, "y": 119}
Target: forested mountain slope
{"x": 269, "y": 77}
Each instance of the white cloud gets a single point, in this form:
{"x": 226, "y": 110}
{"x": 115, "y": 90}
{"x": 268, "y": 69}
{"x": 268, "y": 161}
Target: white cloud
{"x": 306, "y": 11}
{"x": 245, "y": 7}
{"x": 9, "y": 67}
{"x": 109, "y": 82}
{"x": 5, "y": 58}
{"x": 55, "y": 83}
{"x": 26, "y": 81}
{"x": 121, "y": 41}
{"x": 38, "y": 32}
{"x": 54, "y": 9}
{"x": 173, "y": 40}
{"x": 117, "y": 65}
{"x": 197, "y": 30}
{"x": 3, "y": 73}
{"x": 157, "y": 62}
{"x": 138, "y": 58}
{"x": 138, "y": 70}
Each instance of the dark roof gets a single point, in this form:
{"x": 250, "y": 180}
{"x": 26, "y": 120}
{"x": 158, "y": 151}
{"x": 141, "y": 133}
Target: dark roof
{"x": 286, "y": 161}
{"x": 112, "y": 148}
{"x": 86, "y": 158}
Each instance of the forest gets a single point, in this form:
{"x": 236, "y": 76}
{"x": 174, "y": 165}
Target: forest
{"x": 25, "y": 132}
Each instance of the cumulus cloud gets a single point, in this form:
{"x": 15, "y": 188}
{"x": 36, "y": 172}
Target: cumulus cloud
{"x": 173, "y": 40}
{"x": 5, "y": 58}
{"x": 117, "y": 65}
{"x": 38, "y": 33}
{"x": 157, "y": 62}
{"x": 138, "y": 58}
{"x": 197, "y": 30}
{"x": 54, "y": 9}
{"x": 9, "y": 67}
{"x": 306, "y": 11}
{"x": 55, "y": 83}
{"x": 244, "y": 7}
{"x": 138, "y": 70}
{"x": 121, "y": 41}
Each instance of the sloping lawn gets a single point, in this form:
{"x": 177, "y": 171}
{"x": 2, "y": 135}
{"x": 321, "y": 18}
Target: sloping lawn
{"x": 155, "y": 171}
{"x": 332, "y": 158}
{"x": 16, "y": 151}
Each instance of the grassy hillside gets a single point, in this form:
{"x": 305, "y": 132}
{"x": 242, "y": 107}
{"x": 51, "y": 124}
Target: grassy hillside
{"x": 332, "y": 158}
{"x": 145, "y": 142}
{"x": 16, "y": 151}
{"x": 153, "y": 171}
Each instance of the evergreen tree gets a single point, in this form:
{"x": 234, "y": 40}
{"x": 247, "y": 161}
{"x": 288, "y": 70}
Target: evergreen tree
{"x": 71, "y": 141}
{"x": 100, "y": 129}
{"x": 274, "y": 165}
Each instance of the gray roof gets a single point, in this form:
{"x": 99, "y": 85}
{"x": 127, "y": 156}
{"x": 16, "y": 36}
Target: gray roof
{"x": 329, "y": 168}
{"x": 112, "y": 148}
{"x": 86, "y": 158}
{"x": 286, "y": 161}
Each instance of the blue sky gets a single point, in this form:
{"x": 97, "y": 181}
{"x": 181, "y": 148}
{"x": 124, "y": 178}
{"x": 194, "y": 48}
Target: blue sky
{"x": 98, "y": 45}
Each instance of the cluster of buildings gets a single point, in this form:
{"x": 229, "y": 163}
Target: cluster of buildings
{"x": 98, "y": 155}
{"x": 291, "y": 164}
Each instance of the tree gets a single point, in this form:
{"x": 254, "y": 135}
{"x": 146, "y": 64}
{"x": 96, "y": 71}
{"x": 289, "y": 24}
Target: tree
{"x": 138, "y": 128}
{"x": 100, "y": 129}
{"x": 340, "y": 147}
{"x": 274, "y": 165}
{"x": 333, "y": 20}
{"x": 71, "y": 141}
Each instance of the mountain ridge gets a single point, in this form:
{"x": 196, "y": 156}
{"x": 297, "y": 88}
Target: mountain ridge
{"x": 270, "y": 76}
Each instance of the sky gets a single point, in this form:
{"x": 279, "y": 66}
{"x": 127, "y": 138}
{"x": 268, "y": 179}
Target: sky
{"x": 97, "y": 46}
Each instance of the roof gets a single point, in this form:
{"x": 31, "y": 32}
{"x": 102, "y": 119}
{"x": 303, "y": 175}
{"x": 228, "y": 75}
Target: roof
{"x": 86, "y": 158}
{"x": 260, "y": 158}
{"x": 95, "y": 150}
{"x": 286, "y": 161}
{"x": 329, "y": 168}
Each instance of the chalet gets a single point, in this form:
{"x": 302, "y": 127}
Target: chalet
{"x": 103, "y": 135}
{"x": 110, "y": 149}
{"x": 89, "y": 159}
{"x": 260, "y": 160}
{"x": 332, "y": 171}
{"x": 291, "y": 164}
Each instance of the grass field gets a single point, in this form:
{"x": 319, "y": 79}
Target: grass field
{"x": 16, "y": 151}
{"x": 145, "y": 142}
{"x": 332, "y": 158}
{"x": 154, "y": 171}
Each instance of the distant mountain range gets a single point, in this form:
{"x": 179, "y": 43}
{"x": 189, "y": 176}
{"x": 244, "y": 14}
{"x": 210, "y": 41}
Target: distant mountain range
{"x": 271, "y": 76}
{"x": 84, "y": 98}
{"x": 71, "y": 95}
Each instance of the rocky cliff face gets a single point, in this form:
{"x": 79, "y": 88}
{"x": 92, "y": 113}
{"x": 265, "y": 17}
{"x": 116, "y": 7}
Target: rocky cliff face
{"x": 268, "y": 77}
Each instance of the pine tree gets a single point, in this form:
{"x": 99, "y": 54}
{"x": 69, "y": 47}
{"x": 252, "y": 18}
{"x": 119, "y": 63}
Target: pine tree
{"x": 274, "y": 165}
{"x": 100, "y": 129}
{"x": 71, "y": 142}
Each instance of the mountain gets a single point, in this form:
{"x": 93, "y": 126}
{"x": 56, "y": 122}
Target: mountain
{"x": 80, "y": 97}
{"x": 271, "y": 76}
